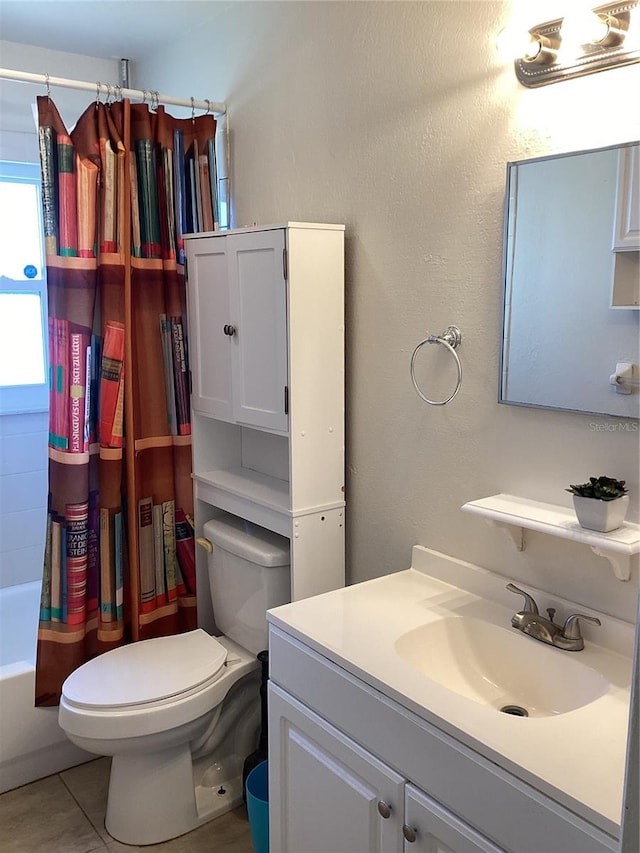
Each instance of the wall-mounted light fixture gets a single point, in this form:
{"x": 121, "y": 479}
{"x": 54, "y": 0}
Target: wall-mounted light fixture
{"x": 602, "y": 37}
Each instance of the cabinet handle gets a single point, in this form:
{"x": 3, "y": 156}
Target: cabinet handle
{"x": 384, "y": 809}
{"x": 410, "y": 834}
{"x": 229, "y": 330}
{"x": 205, "y": 543}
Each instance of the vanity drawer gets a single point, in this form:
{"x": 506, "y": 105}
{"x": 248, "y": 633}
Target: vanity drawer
{"x": 508, "y": 811}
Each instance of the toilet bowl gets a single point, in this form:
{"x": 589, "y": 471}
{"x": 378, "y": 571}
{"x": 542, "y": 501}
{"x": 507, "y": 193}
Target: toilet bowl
{"x": 180, "y": 714}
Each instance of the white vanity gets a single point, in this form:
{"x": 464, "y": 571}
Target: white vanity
{"x": 385, "y": 730}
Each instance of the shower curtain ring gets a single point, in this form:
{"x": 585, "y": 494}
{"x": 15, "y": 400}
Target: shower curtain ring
{"x": 193, "y": 110}
{"x": 208, "y": 103}
{"x": 46, "y": 82}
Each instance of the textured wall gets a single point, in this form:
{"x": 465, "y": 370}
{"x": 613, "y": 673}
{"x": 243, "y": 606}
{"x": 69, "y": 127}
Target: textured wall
{"x": 398, "y": 120}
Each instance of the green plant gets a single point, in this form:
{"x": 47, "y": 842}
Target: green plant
{"x": 600, "y": 488}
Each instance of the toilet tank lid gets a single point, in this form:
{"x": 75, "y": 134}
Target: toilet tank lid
{"x": 249, "y": 541}
{"x": 146, "y": 671}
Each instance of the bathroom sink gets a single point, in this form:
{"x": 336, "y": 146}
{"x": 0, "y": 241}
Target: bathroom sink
{"x": 500, "y": 668}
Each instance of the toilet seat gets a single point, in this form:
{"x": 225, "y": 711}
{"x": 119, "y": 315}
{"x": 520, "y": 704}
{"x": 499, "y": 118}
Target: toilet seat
{"x": 94, "y": 715}
{"x": 147, "y": 673}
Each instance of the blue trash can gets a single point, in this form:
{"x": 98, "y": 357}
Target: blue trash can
{"x": 258, "y": 807}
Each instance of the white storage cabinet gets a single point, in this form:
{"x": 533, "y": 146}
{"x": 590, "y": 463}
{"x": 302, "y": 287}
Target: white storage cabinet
{"x": 266, "y": 339}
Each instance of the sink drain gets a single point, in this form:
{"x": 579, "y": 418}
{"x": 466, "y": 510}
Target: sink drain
{"x": 514, "y": 710}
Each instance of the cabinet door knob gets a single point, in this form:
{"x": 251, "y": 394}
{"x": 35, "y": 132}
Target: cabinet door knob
{"x": 229, "y": 330}
{"x": 409, "y": 833}
{"x": 384, "y": 809}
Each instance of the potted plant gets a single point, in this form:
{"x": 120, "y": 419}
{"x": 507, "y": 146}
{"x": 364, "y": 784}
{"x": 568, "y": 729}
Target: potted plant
{"x": 601, "y": 504}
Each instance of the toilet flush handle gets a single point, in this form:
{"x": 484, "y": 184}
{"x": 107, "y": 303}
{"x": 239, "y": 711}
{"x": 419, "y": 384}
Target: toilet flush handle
{"x": 204, "y": 543}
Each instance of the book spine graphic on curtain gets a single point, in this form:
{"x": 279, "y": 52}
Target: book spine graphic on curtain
{"x": 118, "y": 557}
{"x": 59, "y": 383}
{"x": 181, "y": 376}
{"x": 95, "y": 360}
{"x": 145, "y": 556}
{"x": 180, "y": 199}
{"x": 45, "y": 592}
{"x": 77, "y": 392}
{"x": 58, "y": 547}
{"x": 48, "y": 170}
{"x": 87, "y": 199}
{"x": 169, "y": 541}
{"x": 186, "y": 550}
{"x": 77, "y": 527}
{"x": 67, "y": 212}
{"x": 169, "y": 209}
{"x": 169, "y": 380}
{"x": 107, "y": 566}
{"x": 136, "y": 229}
{"x": 112, "y": 386}
{"x": 93, "y": 553}
{"x": 148, "y": 199}
{"x": 109, "y": 223}
{"x": 158, "y": 556}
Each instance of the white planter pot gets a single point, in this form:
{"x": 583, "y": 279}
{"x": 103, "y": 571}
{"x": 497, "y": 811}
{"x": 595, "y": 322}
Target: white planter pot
{"x": 603, "y": 516}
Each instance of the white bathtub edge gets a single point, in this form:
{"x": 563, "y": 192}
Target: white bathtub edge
{"x": 40, "y": 763}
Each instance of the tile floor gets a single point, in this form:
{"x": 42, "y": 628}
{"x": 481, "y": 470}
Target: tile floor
{"x": 65, "y": 814}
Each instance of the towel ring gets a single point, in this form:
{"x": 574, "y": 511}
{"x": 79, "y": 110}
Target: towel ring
{"x": 450, "y": 338}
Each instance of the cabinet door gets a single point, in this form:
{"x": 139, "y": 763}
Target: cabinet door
{"x": 627, "y": 223}
{"x": 258, "y": 293}
{"x": 327, "y": 794}
{"x": 430, "y": 828}
{"x": 210, "y": 345}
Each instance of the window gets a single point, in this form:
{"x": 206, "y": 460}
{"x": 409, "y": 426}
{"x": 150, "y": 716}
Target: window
{"x": 23, "y": 294}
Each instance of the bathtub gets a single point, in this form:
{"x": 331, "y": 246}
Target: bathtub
{"x": 32, "y": 745}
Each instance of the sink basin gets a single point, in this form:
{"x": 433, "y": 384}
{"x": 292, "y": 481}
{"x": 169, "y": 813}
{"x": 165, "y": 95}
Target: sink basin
{"x": 500, "y": 668}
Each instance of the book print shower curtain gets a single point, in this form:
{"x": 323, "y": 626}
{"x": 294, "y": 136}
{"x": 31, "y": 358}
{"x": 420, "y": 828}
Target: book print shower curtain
{"x": 118, "y": 193}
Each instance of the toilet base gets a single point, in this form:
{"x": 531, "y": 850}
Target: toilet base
{"x": 166, "y": 803}
{"x": 151, "y": 796}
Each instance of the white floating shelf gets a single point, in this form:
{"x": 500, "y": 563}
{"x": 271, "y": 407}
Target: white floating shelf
{"x": 516, "y": 515}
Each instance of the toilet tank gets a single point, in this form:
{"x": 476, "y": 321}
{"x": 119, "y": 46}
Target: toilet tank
{"x": 248, "y": 574}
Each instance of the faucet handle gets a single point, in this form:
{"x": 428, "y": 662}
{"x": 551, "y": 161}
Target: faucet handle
{"x": 571, "y": 630}
{"x": 530, "y": 605}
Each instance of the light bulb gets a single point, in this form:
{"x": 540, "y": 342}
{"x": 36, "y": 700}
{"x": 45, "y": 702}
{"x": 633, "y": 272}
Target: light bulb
{"x": 516, "y": 43}
{"x": 579, "y": 28}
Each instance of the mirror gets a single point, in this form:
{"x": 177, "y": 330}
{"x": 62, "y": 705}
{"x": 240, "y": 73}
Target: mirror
{"x": 570, "y": 316}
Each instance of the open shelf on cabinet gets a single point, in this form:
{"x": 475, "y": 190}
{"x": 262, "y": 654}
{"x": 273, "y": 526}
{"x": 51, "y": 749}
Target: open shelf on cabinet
{"x": 248, "y": 494}
{"x": 516, "y": 515}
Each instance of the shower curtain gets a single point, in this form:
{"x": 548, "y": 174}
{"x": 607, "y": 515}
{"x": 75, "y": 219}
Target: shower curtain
{"x": 119, "y": 191}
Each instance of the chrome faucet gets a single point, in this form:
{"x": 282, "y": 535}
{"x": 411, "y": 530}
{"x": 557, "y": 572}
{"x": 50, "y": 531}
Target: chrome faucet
{"x": 528, "y": 620}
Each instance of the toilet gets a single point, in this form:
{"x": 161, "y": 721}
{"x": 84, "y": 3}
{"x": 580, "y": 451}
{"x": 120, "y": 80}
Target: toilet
{"x": 180, "y": 714}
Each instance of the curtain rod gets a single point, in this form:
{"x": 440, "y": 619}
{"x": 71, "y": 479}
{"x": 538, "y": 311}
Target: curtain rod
{"x": 217, "y": 109}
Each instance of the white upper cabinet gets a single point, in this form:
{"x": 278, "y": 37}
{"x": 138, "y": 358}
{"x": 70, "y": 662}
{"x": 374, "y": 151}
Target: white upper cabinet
{"x": 626, "y": 233}
{"x": 238, "y": 315}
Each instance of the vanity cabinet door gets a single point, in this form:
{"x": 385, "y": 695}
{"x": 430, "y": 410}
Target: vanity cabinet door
{"x": 430, "y": 828}
{"x": 326, "y": 793}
